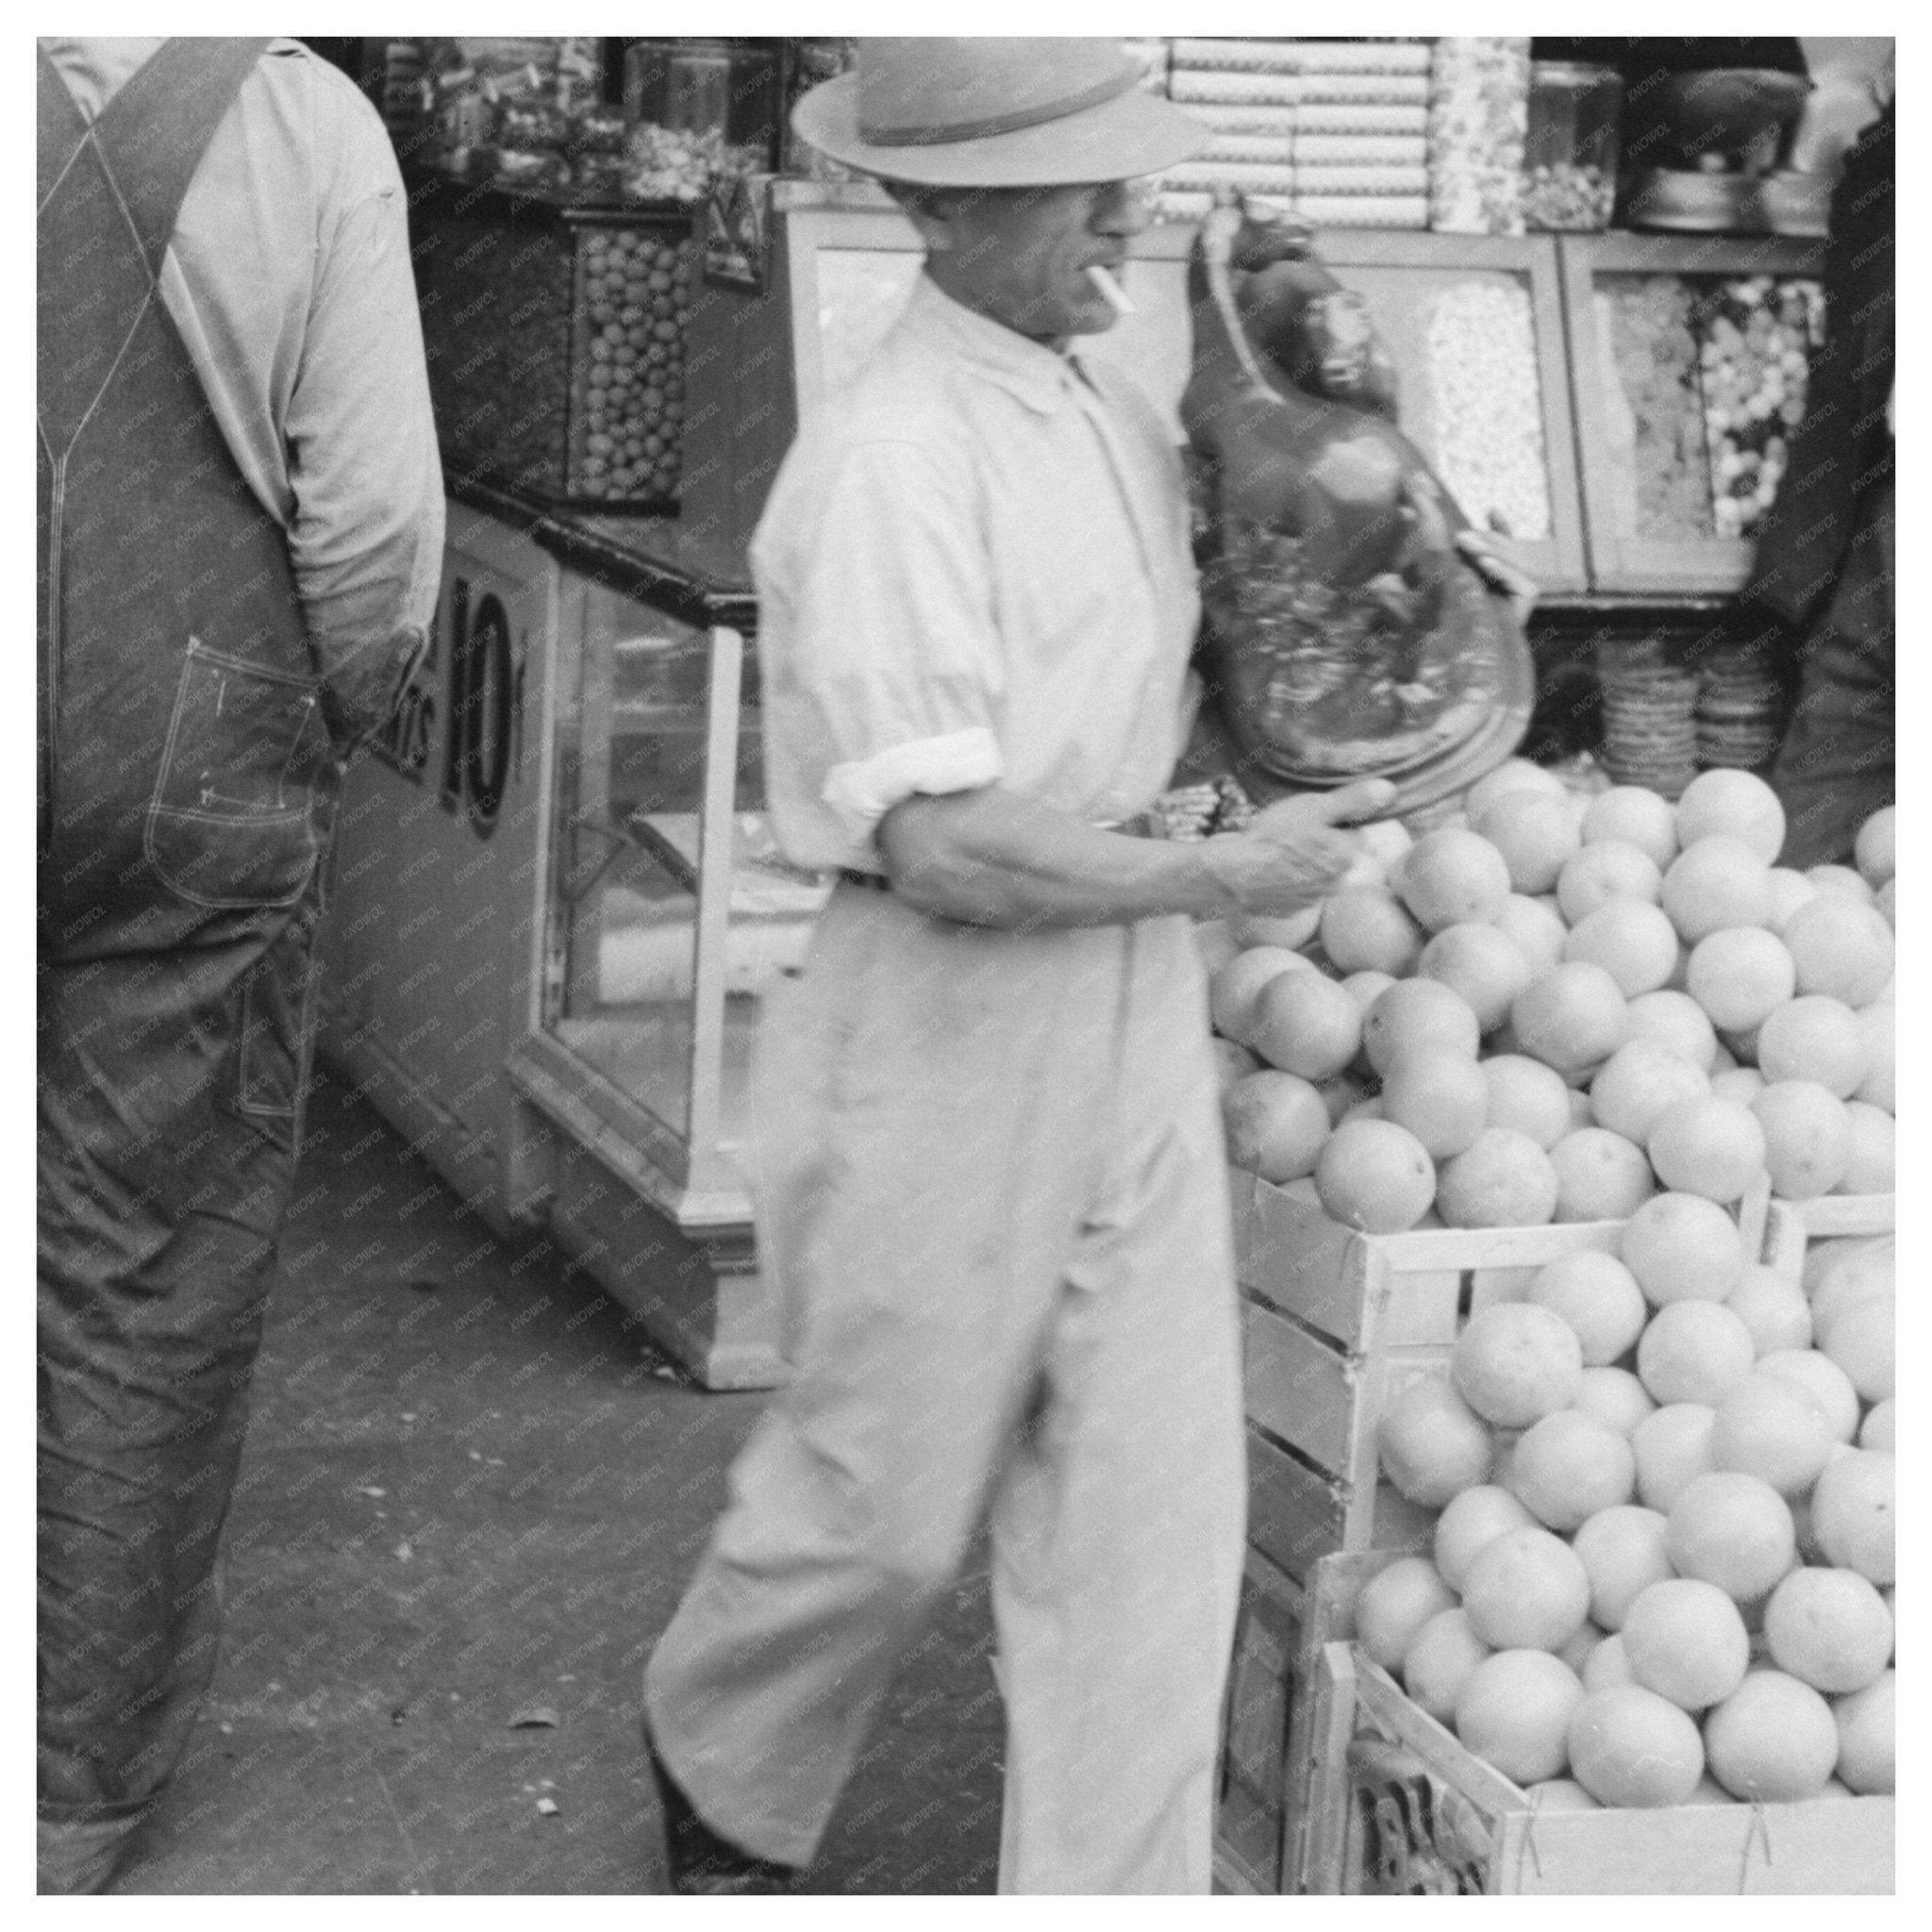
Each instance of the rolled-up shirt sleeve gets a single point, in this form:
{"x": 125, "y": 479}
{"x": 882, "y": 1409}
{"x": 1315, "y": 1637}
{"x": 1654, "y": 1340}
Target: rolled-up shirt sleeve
{"x": 889, "y": 676}
{"x": 366, "y": 533}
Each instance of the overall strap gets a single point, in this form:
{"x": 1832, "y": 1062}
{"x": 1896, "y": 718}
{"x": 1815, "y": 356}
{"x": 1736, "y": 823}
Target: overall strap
{"x": 62, "y": 127}
{"x": 155, "y": 131}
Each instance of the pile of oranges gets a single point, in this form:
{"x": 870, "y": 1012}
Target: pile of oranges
{"x": 1565, "y": 1006}
{"x": 1662, "y": 1570}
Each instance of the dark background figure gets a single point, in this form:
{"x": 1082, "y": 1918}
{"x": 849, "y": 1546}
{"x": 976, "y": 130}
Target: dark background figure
{"x": 1824, "y": 570}
{"x": 240, "y": 540}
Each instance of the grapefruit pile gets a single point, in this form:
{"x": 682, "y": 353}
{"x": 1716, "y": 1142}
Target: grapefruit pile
{"x": 1566, "y": 1008}
{"x": 1662, "y": 1566}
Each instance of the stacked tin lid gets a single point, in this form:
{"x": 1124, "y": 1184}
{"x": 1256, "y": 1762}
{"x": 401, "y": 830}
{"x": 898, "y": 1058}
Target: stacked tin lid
{"x": 1649, "y": 730}
{"x": 1336, "y": 129}
{"x": 1737, "y": 710}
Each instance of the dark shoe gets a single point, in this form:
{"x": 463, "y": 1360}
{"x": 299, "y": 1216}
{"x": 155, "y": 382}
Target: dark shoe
{"x": 701, "y": 1861}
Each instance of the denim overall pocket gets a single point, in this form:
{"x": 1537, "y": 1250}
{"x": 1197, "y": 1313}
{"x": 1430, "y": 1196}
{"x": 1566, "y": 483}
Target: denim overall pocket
{"x": 233, "y": 819}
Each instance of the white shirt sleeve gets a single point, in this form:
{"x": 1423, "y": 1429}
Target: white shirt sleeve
{"x": 891, "y": 671}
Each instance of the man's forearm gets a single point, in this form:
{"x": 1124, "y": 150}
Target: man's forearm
{"x": 992, "y": 858}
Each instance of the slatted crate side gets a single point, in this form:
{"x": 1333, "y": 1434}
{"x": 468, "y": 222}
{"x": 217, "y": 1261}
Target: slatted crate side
{"x": 1471, "y": 1825}
{"x": 1298, "y": 1514}
{"x": 1289, "y": 1253}
{"x": 1828, "y": 1217}
{"x": 1280, "y": 1634}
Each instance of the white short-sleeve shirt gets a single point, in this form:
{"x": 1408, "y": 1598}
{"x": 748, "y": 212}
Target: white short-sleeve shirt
{"x": 975, "y": 568}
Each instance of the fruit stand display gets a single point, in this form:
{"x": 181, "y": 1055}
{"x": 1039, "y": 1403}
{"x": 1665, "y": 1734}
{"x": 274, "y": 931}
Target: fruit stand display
{"x": 1535, "y": 1115}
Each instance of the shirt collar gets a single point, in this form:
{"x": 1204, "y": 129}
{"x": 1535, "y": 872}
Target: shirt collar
{"x": 1044, "y": 379}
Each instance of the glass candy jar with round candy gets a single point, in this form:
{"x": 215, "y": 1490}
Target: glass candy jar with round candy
{"x": 698, "y": 110}
{"x": 1570, "y": 155}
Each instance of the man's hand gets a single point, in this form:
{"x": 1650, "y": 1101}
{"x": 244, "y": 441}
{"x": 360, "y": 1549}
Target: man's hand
{"x": 1501, "y": 575}
{"x": 1292, "y": 852}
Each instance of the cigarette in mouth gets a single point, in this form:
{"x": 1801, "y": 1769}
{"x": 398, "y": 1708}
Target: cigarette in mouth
{"x": 1123, "y": 304}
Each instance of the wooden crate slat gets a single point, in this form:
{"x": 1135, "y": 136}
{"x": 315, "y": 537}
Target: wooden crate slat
{"x": 1294, "y": 1514}
{"x": 1302, "y": 1261}
{"x": 1832, "y": 1215}
{"x": 1300, "y": 1387}
{"x": 1408, "y": 1306}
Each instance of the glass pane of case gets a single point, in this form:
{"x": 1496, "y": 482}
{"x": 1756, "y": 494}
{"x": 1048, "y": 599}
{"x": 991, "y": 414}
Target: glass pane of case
{"x": 667, "y": 1024}
{"x": 1704, "y": 380}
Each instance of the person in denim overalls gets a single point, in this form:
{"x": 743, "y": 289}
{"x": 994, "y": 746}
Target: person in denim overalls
{"x": 240, "y": 526}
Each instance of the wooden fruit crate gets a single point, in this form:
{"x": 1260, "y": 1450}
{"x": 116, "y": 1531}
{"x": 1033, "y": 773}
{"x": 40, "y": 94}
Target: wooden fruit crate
{"x": 1828, "y": 1216}
{"x": 1266, "y": 1753}
{"x": 1398, "y": 1806}
{"x": 1337, "y": 1322}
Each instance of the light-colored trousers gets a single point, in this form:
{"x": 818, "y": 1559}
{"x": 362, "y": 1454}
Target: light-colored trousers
{"x": 992, "y": 1186}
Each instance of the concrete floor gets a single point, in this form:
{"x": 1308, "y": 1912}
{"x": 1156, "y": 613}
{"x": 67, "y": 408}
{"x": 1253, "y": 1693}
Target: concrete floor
{"x": 471, "y": 1498}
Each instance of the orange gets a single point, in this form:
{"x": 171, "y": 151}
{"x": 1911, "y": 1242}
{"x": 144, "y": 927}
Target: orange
{"x": 1773, "y": 1740}
{"x": 1633, "y": 942}
{"x": 1364, "y": 988}
{"x": 1375, "y": 1177}
{"x": 1633, "y": 816}
{"x": 1840, "y": 949}
{"x": 1441, "y": 1098}
{"x": 1572, "y": 1018}
{"x": 1469, "y": 1523}
{"x": 1414, "y": 1014}
{"x": 1606, "y": 1665}
{"x": 1570, "y": 1466}
{"x": 1440, "y": 1656}
{"x": 1849, "y": 1271}
{"x": 1232, "y": 1062}
{"x": 1536, "y": 927}
{"x": 1502, "y": 1180}
{"x": 1560, "y": 1795}
{"x": 1789, "y": 890}
{"x": 1708, "y": 1146}
{"x": 1481, "y": 963}
{"x": 1774, "y": 1308}
{"x": 1735, "y": 802}
{"x": 1862, "y": 1341}
{"x": 1876, "y": 1028}
{"x": 1672, "y": 1448}
{"x": 1368, "y": 1109}
{"x": 1684, "y": 1639}
{"x": 1394, "y": 1604}
{"x": 1277, "y": 1126}
{"x": 1514, "y": 1712}
{"x": 1843, "y": 879}
{"x": 1694, "y": 1351}
{"x": 1807, "y": 1138}
{"x": 1451, "y": 877}
{"x": 1526, "y": 1589}
{"x": 1514, "y": 1363}
{"x": 1338, "y": 1095}
{"x": 1719, "y": 882}
{"x": 1815, "y": 1038}
{"x": 1433, "y": 1445}
{"x": 1733, "y": 1531}
{"x": 1534, "y": 834}
{"x": 1577, "y": 1652}
{"x": 1741, "y": 1084}
{"x": 1829, "y": 1628}
{"x": 1622, "y": 1548}
{"x": 1291, "y": 931}
{"x": 1367, "y": 930}
{"x": 1629, "y": 1747}
{"x": 1822, "y": 1379}
{"x": 1600, "y": 1176}
{"x": 1853, "y": 1510}
{"x": 1233, "y": 990}
{"x": 1603, "y": 871}
{"x": 1528, "y": 1096}
{"x": 1879, "y": 1430}
{"x": 1770, "y": 1428}
{"x": 1303, "y": 1022}
{"x": 1682, "y": 1247}
{"x": 1617, "y": 1396}
{"x": 1871, "y": 1166}
{"x": 1868, "y": 1736}
{"x": 1215, "y": 943}
{"x": 1875, "y": 849}
{"x": 1512, "y": 774}
{"x": 1887, "y": 903}
{"x": 1597, "y": 1296}
{"x": 1739, "y": 977}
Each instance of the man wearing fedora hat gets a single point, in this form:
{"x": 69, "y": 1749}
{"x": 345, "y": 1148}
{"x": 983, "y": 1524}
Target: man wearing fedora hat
{"x": 989, "y": 1162}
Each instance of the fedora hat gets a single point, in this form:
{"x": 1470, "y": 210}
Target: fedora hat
{"x": 985, "y": 112}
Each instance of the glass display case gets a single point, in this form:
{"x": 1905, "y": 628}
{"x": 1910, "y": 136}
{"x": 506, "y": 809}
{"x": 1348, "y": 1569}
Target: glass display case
{"x": 1691, "y": 361}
